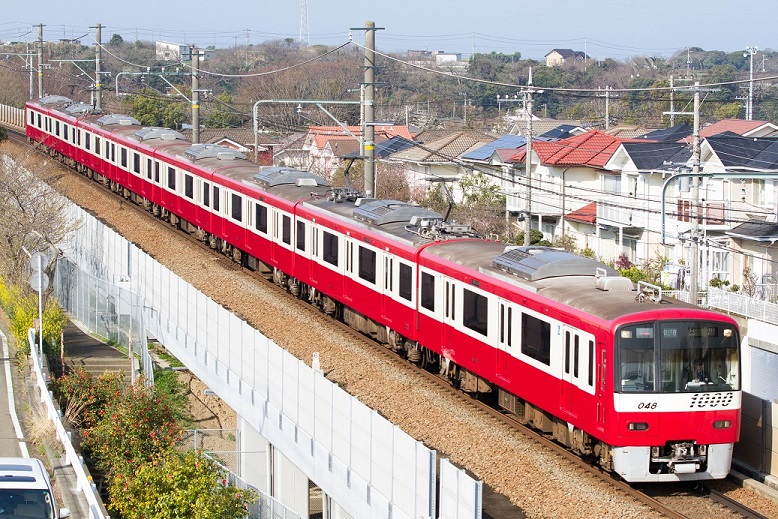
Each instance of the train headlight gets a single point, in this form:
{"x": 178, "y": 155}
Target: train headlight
{"x": 637, "y": 426}
{"x": 722, "y": 424}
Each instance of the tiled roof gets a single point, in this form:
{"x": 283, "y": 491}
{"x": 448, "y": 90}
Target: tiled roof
{"x": 739, "y": 126}
{"x": 442, "y": 150}
{"x": 504, "y": 142}
{"x": 244, "y": 136}
{"x": 586, "y": 214}
{"x": 319, "y": 136}
{"x": 673, "y": 134}
{"x": 757, "y": 230}
{"x": 592, "y": 148}
{"x": 653, "y": 156}
{"x": 627, "y": 131}
{"x": 745, "y": 153}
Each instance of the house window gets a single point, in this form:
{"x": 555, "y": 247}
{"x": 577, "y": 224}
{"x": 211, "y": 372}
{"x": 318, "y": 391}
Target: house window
{"x": 611, "y": 184}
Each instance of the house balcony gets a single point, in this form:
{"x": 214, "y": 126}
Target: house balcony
{"x": 542, "y": 203}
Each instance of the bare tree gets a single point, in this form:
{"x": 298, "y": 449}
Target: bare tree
{"x": 32, "y": 215}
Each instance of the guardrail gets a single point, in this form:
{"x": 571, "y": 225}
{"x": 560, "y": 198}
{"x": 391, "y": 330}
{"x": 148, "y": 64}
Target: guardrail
{"x": 84, "y": 483}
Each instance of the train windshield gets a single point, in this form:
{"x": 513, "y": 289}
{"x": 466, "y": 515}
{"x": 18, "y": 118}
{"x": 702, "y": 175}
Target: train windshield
{"x": 677, "y": 357}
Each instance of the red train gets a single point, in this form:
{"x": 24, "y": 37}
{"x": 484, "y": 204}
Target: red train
{"x": 648, "y": 387}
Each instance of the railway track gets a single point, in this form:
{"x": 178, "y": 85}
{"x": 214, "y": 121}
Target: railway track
{"x": 654, "y": 502}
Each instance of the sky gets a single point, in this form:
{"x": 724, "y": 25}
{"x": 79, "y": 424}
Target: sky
{"x": 617, "y": 29}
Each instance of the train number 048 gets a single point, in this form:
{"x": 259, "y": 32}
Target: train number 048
{"x": 647, "y": 405}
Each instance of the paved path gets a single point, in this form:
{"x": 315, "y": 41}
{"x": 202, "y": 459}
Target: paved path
{"x": 83, "y": 350}
{"x": 12, "y": 443}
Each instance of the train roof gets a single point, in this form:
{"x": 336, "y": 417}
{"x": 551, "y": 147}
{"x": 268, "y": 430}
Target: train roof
{"x": 555, "y": 274}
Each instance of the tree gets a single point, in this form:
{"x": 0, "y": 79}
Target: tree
{"x": 178, "y": 484}
{"x": 32, "y": 215}
{"x": 152, "y": 109}
{"x": 221, "y": 114}
{"x": 116, "y": 40}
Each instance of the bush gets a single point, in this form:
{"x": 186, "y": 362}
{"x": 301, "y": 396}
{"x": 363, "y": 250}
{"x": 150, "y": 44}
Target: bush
{"x": 178, "y": 484}
{"x": 84, "y": 397}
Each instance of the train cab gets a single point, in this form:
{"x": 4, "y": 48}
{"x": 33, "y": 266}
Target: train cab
{"x": 677, "y": 399}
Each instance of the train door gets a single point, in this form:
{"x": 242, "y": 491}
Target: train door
{"x": 569, "y": 359}
{"x": 505, "y": 340}
{"x": 449, "y": 308}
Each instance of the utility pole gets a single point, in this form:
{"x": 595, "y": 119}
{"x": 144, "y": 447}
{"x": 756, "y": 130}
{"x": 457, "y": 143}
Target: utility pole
{"x": 369, "y": 105}
{"x": 607, "y": 96}
{"x": 195, "y": 95}
{"x": 750, "y": 51}
{"x": 528, "y": 159}
{"x": 40, "y": 59}
{"x": 696, "y": 196}
{"x": 98, "y": 73}
{"x": 672, "y": 102}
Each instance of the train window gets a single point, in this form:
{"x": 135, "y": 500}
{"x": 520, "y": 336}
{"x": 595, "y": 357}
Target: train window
{"x": 149, "y": 168}
{"x": 286, "y": 229}
{"x": 216, "y": 198}
{"x": 156, "y": 171}
{"x": 113, "y": 153}
{"x": 510, "y": 326}
{"x": 189, "y": 186}
{"x": 56, "y": 128}
{"x": 406, "y": 281}
{"x": 300, "y": 235}
{"x": 428, "y": 291}
{"x": 65, "y": 131}
{"x": 78, "y": 137}
{"x": 367, "y": 264}
{"x": 88, "y": 141}
{"x": 39, "y": 120}
{"x": 330, "y": 250}
{"x": 536, "y": 339}
{"x": 237, "y": 207}
{"x": 636, "y": 357}
{"x": 567, "y": 353}
{"x": 206, "y": 194}
{"x": 591, "y": 363}
{"x": 123, "y": 157}
{"x": 475, "y": 312}
{"x": 576, "y": 349}
{"x": 136, "y": 163}
{"x": 32, "y": 117}
{"x": 171, "y": 178}
{"x": 261, "y": 219}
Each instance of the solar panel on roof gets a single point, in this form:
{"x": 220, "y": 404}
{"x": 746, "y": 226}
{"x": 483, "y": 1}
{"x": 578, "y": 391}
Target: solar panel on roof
{"x": 380, "y": 212}
{"x": 535, "y": 263}
{"x": 209, "y": 151}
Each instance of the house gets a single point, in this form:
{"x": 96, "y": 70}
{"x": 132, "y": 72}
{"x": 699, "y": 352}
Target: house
{"x": 439, "y": 160}
{"x": 740, "y": 127}
{"x": 566, "y": 176}
{"x": 322, "y": 143}
{"x": 559, "y": 56}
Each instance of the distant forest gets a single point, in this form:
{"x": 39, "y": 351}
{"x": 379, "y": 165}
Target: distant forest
{"x": 232, "y": 80}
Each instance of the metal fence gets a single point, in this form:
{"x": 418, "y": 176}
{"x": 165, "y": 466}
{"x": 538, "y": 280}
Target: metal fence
{"x": 109, "y": 311}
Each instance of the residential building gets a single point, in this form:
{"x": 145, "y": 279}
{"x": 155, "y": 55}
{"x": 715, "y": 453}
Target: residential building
{"x": 557, "y": 57}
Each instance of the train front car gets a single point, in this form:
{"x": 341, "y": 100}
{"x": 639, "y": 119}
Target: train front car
{"x": 677, "y": 397}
